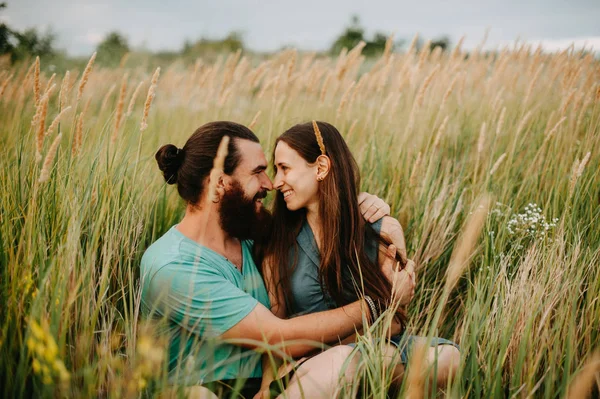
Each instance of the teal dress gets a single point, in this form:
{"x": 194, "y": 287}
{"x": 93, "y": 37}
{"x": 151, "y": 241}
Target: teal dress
{"x": 309, "y": 297}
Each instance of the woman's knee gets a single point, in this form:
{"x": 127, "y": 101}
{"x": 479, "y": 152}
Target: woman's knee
{"x": 448, "y": 362}
{"x": 345, "y": 360}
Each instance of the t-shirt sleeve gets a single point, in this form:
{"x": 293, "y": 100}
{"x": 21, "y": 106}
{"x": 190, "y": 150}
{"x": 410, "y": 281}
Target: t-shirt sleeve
{"x": 200, "y": 299}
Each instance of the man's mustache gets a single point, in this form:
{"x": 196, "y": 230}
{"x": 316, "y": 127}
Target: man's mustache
{"x": 260, "y": 195}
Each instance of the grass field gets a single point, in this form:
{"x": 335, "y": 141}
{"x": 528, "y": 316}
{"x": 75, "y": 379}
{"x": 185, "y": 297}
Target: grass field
{"x": 81, "y": 198}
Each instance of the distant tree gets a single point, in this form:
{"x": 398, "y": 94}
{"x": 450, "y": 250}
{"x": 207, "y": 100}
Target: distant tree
{"x": 112, "y": 48}
{"x": 31, "y": 42}
{"x": 25, "y": 44}
{"x": 232, "y": 42}
{"x": 353, "y": 34}
{"x": 5, "y": 34}
{"x": 442, "y": 42}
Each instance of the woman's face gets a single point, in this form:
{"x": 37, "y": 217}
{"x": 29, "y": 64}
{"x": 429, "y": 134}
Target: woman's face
{"x": 295, "y": 178}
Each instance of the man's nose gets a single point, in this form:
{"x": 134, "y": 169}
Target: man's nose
{"x": 266, "y": 182}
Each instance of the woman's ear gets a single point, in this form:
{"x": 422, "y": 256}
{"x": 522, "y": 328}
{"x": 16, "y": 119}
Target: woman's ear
{"x": 323, "y": 167}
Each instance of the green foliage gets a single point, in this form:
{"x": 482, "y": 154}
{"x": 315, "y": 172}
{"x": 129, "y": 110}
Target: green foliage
{"x": 354, "y": 34}
{"x": 112, "y": 49}
{"x": 26, "y": 44}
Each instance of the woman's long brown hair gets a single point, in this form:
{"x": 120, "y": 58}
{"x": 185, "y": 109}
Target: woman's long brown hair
{"x": 344, "y": 231}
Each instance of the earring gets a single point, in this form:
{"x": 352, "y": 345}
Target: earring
{"x": 320, "y": 178}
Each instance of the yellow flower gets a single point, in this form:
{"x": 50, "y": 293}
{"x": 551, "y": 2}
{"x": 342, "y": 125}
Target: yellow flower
{"x": 40, "y": 348}
{"x": 30, "y": 344}
{"x": 36, "y": 366}
{"x": 36, "y": 330}
{"x": 51, "y": 348}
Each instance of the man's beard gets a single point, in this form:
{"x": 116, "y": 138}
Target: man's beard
{"x": 238, "y": 215}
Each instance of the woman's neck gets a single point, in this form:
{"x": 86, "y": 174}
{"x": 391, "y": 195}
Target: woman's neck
{"x": 314, "y": 221}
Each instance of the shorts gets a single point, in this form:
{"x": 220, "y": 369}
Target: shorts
{"x": 406, "y": 342}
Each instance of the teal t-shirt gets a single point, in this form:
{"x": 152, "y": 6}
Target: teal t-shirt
{"x": 199, "y": 294}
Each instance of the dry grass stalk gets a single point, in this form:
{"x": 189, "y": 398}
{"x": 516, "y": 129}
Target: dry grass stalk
{"x": 134, "y": 97}
{"x": 85, "y": 76}
{"x": 555, "y": 128}
{"x": 389, "y": 44}
{"x": 481, "y": 140}
{"x": 47, "y": 166}
{"x": 522, "y": 123}
{"x": 277, "y": 82}
{"x": 497, "y": 164}
{"x": 120, "y": 106}
{"x": 413, "y": 174}
{"x": 218, "y": 166}
{"x": 532, "y": 85}
{"x": 257, "y": 74}
{"x": 413, "y": 44}
{"x": 107, "y": 96}
{"x": 424, "y": 54}
{"x": 581, "y": 386}
{"x": 5, "y": 84}
{"x": 448, "y": 93}
{"x": 124, "y": 59}
{"x": 567, "y": 102}
{"x": 266, "y": 86}
{"x": 324, "y": 88}
{"x": 426, "y": 83}
{"x": 465, "y": 244}
{"x": 576, "y": 171}
{"x": 456, "y": 51}
{"x": 64, "y": 91}
{"x": 440, "y": 132}
{"x": 500, "y": 124}
{"x": 352, "y": 127}
{"x": 254, "y": 120}
{"x": 50, "y": 82}
{"x": 344, "y": 99}
{"x": 292, "y": 63}
{"x": 149, "y": 99}
{"x": 78, "y": 138}
{"x": 36, "y": 81}
{"x": 40, "y": 118}
{"x": 415, "y": 380}
{"x": 224, "y": 97}
{"x": 56, "y": 120}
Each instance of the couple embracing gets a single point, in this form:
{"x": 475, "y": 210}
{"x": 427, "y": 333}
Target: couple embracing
{"x": 232, "y": 280}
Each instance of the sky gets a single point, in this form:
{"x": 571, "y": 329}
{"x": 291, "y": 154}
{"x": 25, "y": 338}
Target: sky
{"x": 268, "y": 25}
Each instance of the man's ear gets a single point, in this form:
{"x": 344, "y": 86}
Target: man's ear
{"x": 323, "y": 167}
{"x": 217, "y": 185}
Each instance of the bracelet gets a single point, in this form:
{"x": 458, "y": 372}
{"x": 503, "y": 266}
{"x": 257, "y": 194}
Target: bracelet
{"x": 372, "y": 308}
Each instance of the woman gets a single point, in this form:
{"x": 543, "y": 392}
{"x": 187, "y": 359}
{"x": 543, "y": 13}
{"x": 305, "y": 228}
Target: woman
{"x": 324, "y": 249}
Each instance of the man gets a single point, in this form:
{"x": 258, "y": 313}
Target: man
{"x": 200, "y": 277}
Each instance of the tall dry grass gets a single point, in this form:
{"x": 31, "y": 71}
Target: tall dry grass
{"x": 432, "y": 133}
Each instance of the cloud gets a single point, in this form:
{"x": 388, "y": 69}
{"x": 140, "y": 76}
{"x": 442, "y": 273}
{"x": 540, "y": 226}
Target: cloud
{"x": 91, "y": 38}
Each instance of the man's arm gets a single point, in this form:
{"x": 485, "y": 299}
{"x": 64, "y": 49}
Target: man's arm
{"x": 260, "y": 325}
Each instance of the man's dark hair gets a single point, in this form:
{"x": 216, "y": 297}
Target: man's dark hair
{"x": 189, "y": 166}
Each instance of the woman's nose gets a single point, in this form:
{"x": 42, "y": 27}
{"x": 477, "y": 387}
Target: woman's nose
{"x": 277, "y": 182}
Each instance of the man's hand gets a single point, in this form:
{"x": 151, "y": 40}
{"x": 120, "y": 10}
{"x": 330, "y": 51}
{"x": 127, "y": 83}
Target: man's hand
{"x": 372, "y": 207}
{"x": 403, "y": 280}
{"x": 392, "y": 231}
